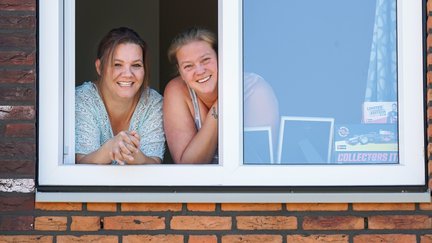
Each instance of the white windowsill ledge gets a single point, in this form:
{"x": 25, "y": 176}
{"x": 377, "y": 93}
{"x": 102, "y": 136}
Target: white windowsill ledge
{"x": 402, "y": 197}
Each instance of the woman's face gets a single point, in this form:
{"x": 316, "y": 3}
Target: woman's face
{"x": 197, "y": 64}
{"x": 124, "y": 74}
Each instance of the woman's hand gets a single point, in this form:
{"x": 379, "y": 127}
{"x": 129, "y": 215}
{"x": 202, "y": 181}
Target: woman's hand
{"x": 127, "y": 152}
{"x": 124, "y": 147}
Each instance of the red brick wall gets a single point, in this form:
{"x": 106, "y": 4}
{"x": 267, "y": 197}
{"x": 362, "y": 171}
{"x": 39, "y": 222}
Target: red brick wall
{"x": 21, "y": 220}
{"x": 17, "y": 114}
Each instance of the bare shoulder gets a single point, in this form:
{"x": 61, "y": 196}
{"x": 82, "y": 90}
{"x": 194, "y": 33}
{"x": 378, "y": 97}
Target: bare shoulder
{"x": 175, "y": 87}
{"x": 176, "y": 97}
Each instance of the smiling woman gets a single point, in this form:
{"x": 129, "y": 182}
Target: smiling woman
{"x": 191, "y": 99}
{"x": 118, "y": 118}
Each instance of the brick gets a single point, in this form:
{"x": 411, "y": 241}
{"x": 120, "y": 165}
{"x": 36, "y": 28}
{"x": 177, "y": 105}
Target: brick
{"x": 317, "y": 206}
{"x": 17, "y": 185}
{"x": 15, "y": 168}
{"x": 17, "y": 112}
{"x": 23, "y": 202}
{"x": 12, "y": 223}
{"x": 425, "y": 206}
{"x": 21, "y": 5}
{"x": 429, "y": 9}
{"x": 134, "y": 223}
{"x": 393, "y": 238}
{"x": 429, "y": 42}
{"x": 204, "y": 207}
{"x": 333, "y": 223}
{"x": 20, "y": 40}
{"x": 87, "y": 239}
{"x": 153, "y": 238}
{"x": 429, "y": 77}
{"x": 429, "y": 130}
{"x": 318, "y": 238}
{"x": 266, "y": 222}
{"x": 201, "y": 223}
{"x": 17, "y": 76}
{"x": 429, "y": 23}
{"x": 17, "y": 150}
{"x": 400, "y": 222}
{"x": 202, "y": 239}
{"x": 383, "y": 206}
{"x": 20, "y": 130}
{"x": 85, "y": 223}
{"x": 102, "y": 207}
{"x": 426, "y": 239}
{"x": 50, "y": 223}
{"x": 54, "y": 206}
{"x": 135, "y": 207}
{"x": 429, "y": 148}
{"x": 429, "y": 92}
{"x": 21, "y": 94}
{"x": 252, "y": 239}
{"x": 430, "y": 166}
{"x": 17, "y": 57}
{"x": 26, "y": 238}
{"x": 251, "y": 207}
{"x": 18, "y": 22}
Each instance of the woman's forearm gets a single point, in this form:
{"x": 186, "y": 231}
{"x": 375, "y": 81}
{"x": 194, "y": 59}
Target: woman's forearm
{"x": 100, "y": 156}
{"x": 140, "y": 158}
{"x": 202, "y": 147}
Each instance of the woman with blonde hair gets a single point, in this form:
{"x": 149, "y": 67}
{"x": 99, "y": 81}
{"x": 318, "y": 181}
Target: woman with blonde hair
{"x": 191, "y": 99}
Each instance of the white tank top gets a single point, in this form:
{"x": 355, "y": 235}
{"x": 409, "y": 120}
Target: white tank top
{"x": 197, "y": 118}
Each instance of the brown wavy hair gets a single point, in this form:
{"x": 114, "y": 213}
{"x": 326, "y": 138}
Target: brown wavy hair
{"x": 115, "y": 37}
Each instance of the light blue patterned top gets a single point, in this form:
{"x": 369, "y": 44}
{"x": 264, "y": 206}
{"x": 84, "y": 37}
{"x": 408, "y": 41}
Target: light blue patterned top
{"x": 93, "y": 128}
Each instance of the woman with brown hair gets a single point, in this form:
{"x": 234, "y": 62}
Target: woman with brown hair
{"x": 118, "y": 118}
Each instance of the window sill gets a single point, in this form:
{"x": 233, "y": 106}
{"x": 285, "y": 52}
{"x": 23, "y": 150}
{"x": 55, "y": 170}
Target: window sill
{"x": 190, "y": 197}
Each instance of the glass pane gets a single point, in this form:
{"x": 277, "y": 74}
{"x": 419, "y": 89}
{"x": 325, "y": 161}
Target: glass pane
{"x": 320, "y": 82}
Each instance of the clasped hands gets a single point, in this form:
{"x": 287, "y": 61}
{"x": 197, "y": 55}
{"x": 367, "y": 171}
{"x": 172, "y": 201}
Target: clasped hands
{"x": 124, "y": 147}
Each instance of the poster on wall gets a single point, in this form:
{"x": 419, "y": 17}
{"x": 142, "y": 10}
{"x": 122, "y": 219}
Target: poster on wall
{"x": 366, "y": 143}
{"x": 380, "y": 112}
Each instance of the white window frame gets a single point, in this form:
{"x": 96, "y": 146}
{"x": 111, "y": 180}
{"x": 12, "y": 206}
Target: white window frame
{"x": 56, "y": 139}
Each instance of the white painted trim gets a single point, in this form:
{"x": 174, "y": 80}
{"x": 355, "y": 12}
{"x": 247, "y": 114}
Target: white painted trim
{"x": 50, "y": 72}
{"x": 235, "y": 197}
{"x": 69, "y": 83}
{"x": 230, "y": 171}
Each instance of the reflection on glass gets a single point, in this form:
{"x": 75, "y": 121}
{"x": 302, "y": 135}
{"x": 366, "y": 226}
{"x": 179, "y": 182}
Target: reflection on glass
{"x": 305, "y": 139}
{"x": 330, "y": 68}
{"x": 258, "y": 145}
{"x": 261, "y": 119}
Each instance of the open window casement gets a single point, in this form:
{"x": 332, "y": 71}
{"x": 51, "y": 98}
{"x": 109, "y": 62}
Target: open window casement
{"x": 325, "y": 71}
